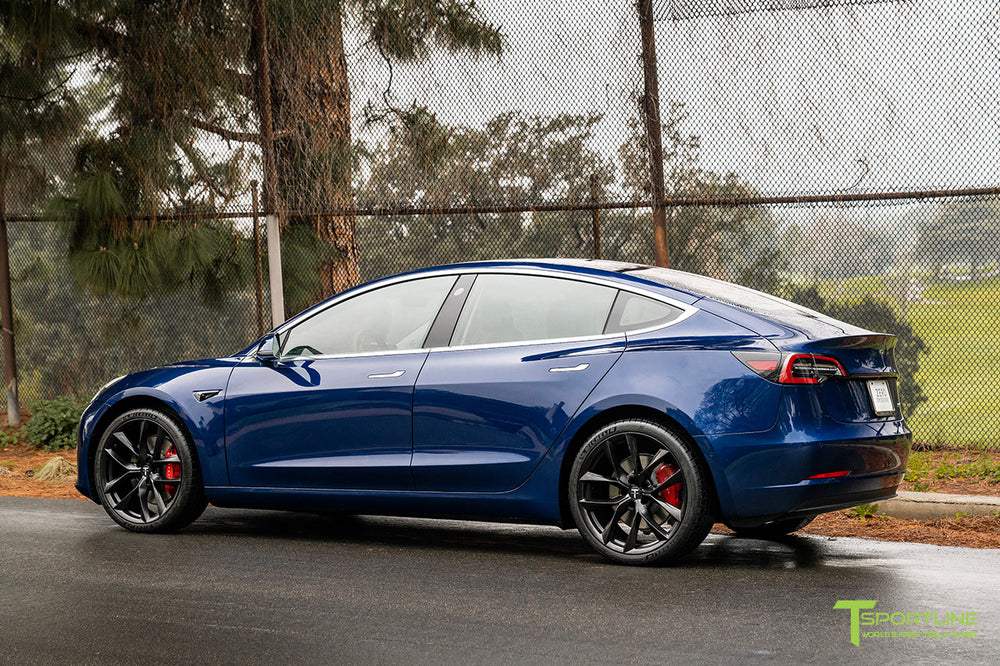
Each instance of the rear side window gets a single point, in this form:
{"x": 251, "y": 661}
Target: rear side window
{"x": 633, "y": 312}
{"x": 517, "y": 308}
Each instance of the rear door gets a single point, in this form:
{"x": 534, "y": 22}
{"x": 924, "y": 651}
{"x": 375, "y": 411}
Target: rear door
{"x": 525, "y": 353}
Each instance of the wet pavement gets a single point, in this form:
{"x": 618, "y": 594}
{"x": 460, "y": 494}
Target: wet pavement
{"x": 252, "y": 586}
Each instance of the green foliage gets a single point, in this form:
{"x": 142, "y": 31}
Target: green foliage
{"x": 878, "y": 316}
{"x": 53, "y": 423}
{"x": 405, "y": 30}
{"x": 985, "y": 470}
{"x": 10, "y": 436}
{"x": 922, "y": 469}
{"x": 918, "y": 467}
{"x": 863, "y": 512}
{"x": 170, "y": 75}
{"x": 100, "y": 337}
{"x": 38, "y": 113}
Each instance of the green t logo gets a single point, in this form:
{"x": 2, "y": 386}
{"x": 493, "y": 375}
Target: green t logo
{"x": 855, "y": 607}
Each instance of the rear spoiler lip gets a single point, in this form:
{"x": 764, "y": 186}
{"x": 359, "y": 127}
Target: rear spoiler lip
{"x": 881, "y": 341}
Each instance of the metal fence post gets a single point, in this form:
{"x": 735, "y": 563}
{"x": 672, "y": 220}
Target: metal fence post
{"x": 274, "y": 270}
{"x": 651, "y": 115}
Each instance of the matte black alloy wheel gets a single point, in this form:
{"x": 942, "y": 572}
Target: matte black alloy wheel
{"x": 146, "y": 473}
{"x": 639, "y": 494}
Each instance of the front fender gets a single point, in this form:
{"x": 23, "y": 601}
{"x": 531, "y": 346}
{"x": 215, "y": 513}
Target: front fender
{"x": 173, "y": 387}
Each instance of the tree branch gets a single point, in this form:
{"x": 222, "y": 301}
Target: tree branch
{"x": 44, "y": 94}
{"x": 245, "y": 137}
{"x": 196, "y": 164}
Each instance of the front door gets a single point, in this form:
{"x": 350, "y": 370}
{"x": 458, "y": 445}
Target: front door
{"x": 322, "y": 423}
{"x": 334, "y": 409}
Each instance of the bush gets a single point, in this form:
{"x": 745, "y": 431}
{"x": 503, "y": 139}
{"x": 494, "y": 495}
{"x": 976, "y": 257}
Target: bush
{"x": 53, "y": 423}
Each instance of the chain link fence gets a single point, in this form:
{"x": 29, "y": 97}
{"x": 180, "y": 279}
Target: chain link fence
{"x": 840, "y": 153}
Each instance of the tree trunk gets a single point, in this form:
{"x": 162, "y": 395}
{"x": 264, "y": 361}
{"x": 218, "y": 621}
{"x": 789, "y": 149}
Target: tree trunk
{"x": 311, "y": 101}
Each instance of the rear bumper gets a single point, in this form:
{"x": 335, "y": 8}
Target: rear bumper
{"x": 766, "y": 476}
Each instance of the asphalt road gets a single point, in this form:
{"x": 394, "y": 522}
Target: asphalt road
{"x": 253, "y": 587}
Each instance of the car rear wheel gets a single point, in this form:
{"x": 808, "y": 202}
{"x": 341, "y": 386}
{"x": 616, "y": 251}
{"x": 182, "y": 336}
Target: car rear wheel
{"x": 640, "y": 494}
{"x": 146, "y": 473}
{"x": 773, "y": 530}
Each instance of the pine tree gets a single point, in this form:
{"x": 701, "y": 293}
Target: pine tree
{"x": 182, "y": 72}
{"x": 37, "y": 115}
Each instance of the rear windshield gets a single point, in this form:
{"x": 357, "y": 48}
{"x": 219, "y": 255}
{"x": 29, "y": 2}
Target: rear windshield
{"x": 747, "y": 299}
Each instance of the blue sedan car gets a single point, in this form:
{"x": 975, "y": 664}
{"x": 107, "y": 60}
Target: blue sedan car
{"x": 634, "y": 403}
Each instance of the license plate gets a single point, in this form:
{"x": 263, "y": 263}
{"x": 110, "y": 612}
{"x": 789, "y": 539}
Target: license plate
{"x": 878, "y": 390}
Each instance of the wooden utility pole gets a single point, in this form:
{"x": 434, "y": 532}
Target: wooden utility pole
{"x": 7, "y": 324}
{"x": 651, "y": 115}
{"x": 258, "y": 269}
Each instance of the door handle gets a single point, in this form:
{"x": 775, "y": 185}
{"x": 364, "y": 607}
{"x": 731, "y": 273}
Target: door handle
{"x": 386, "y": 375}
{"x": 575, "y": 368}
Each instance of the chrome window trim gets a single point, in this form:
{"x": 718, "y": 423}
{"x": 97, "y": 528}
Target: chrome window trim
{"x": 686, "y": 312}
{"x": 376, "y": 354}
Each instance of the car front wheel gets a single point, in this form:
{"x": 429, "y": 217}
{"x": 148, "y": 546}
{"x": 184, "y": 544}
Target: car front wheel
{"x": 640, "y": 494}
{"x": 146, "y": 473}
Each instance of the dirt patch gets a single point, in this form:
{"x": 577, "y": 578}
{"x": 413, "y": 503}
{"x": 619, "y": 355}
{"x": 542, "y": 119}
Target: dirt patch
{"x": 965, "y": 532}
{"x": 20, "y": 463}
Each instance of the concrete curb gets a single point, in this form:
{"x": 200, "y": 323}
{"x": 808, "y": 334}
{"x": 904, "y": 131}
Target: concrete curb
{"x": 932, "y": 506}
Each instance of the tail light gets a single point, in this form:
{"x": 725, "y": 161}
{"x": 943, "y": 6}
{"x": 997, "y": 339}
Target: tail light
{"x": 792, "y": 368}
{"x": 809, "y": 369}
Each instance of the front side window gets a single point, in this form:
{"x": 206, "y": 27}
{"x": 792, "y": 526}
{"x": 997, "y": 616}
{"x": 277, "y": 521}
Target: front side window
{"x": 392, "y": 318}
{"x": 517, "y": 308}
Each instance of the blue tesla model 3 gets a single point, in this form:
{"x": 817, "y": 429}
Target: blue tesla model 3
{"x": 637, "y": 404}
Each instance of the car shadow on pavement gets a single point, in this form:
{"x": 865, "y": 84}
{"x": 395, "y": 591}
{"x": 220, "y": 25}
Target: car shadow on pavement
{"x": 422, "y": 534}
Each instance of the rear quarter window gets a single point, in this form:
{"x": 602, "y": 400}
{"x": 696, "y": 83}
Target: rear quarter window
{"x": 633, "y": 312}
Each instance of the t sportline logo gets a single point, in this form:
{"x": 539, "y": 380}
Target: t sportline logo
{"x": 917, "y": 625}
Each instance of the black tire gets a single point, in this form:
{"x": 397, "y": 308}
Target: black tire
{"x": 146, "y": 473}
{"x": 618, "y": 501}
{"x": 773, "y": 530}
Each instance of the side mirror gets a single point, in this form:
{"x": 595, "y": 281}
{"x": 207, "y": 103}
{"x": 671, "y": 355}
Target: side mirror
{"x": 266, "y": 351}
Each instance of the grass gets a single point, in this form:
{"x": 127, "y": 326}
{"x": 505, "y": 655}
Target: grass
{"x": 959, "y": 322}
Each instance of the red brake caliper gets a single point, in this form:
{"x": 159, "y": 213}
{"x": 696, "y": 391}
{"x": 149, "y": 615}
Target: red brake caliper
{"x": 173, "y": 470}
{"x": 671, "y": 494}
